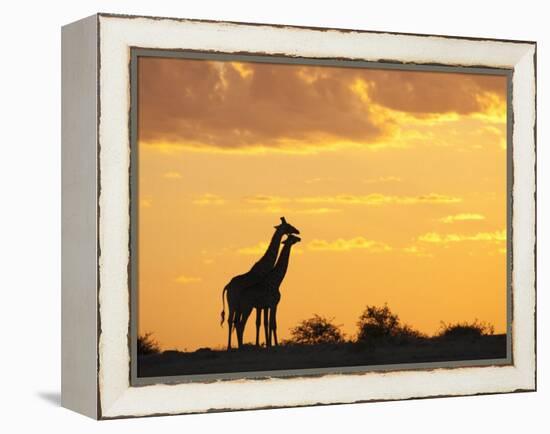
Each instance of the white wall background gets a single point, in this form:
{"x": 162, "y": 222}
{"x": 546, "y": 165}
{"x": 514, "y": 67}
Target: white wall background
{"x": 30, "y": 217}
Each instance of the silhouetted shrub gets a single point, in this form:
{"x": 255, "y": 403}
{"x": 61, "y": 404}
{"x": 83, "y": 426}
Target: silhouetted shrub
{"x": 460, "y": 330}
{"x": 405, "y": 333}
{"x": 381, "y": 324}
{"x": 146, "y": 344}
{"x": 316, "y": 330}
{"x": 376, "y": 323}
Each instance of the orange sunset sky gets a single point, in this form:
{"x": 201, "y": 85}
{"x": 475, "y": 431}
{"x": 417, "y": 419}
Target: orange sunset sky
{"x": 396, "y": 180}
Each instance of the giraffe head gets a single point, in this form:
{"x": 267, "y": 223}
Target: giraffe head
{"x": 292, "y": 239}
{"x": 286, "y": 228}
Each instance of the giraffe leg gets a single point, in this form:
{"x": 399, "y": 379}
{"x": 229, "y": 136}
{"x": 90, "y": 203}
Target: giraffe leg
{"x": 258, "y": 323}
{"x": 270, "y": 330}
{"x": 273, "y": 324}
{"x": 230, "y": 322}
{"x": 243, "y": 318}
{"x": 238, "y": 329}
{"x": 266, "y": 328}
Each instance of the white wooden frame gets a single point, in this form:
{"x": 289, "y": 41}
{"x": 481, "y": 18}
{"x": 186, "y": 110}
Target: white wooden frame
{"x": 96, "y": 218}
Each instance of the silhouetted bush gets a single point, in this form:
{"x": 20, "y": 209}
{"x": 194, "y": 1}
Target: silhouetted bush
{"x": 460, "y": 330}
{"x": 146, "y": 344}
{"x": 316, "y": 330}
{"x": 381, "y": 324}
{"x": 377, "y": 322}
{"x": 405, "y": 333}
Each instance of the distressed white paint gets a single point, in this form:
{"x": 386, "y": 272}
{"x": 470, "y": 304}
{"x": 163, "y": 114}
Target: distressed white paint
{"x": 117, "y": 397}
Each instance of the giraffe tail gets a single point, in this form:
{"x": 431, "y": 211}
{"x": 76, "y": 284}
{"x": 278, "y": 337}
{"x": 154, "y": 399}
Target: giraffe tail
{"x": 223, "y": 305}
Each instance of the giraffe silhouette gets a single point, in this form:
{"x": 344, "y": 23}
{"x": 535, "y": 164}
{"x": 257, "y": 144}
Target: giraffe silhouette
{"x": 265, "y": 296}
{"x": 258, "y": 271}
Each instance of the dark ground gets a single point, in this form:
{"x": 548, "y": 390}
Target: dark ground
{"x": 207, "y": 361}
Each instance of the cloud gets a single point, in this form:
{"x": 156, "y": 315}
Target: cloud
{"x": 423, "y": 93}
{"x": 313, "y": 180}
{"x": 266, "y": 199}
{"x": 462, "y": 217}
{"x": 376, "y": 199}
{"x": 232, "y": 106}
{"x": 172, "y": 175}
{"x": 214, "y": 105}
{"x": 286, "y": 210}
{"x": 436, "y": 238}
{"x": 344, "y": 245}
{"x": 318, "y": 245}
{"x": 209, "y": 199}
{"x": 373, "y": 199}
{"x": 281, "y": 205}
{"x": 382, "y": 179}
{"x": 184, "y": 280}
{"x": 417, "y": 251}
{"x": 257, "y": 249}
{"x": 318, "y": 211}
{"x": 265, "y": 210}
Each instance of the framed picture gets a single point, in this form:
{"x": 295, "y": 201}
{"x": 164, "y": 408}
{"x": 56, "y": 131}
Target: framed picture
{"x": 359, "y": 206}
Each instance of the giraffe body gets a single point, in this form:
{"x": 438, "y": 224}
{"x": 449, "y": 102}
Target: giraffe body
{"x": 264, "y": 296}
{"x": 258, "y": 271}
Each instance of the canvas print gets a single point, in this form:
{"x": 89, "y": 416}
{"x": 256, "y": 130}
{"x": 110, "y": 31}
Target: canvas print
{"x": 300, "y": 215}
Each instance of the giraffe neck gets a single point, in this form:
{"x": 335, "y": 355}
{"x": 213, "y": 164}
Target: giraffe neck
{"x": 267, "y": 261}
{"x": 282, "y": 264}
